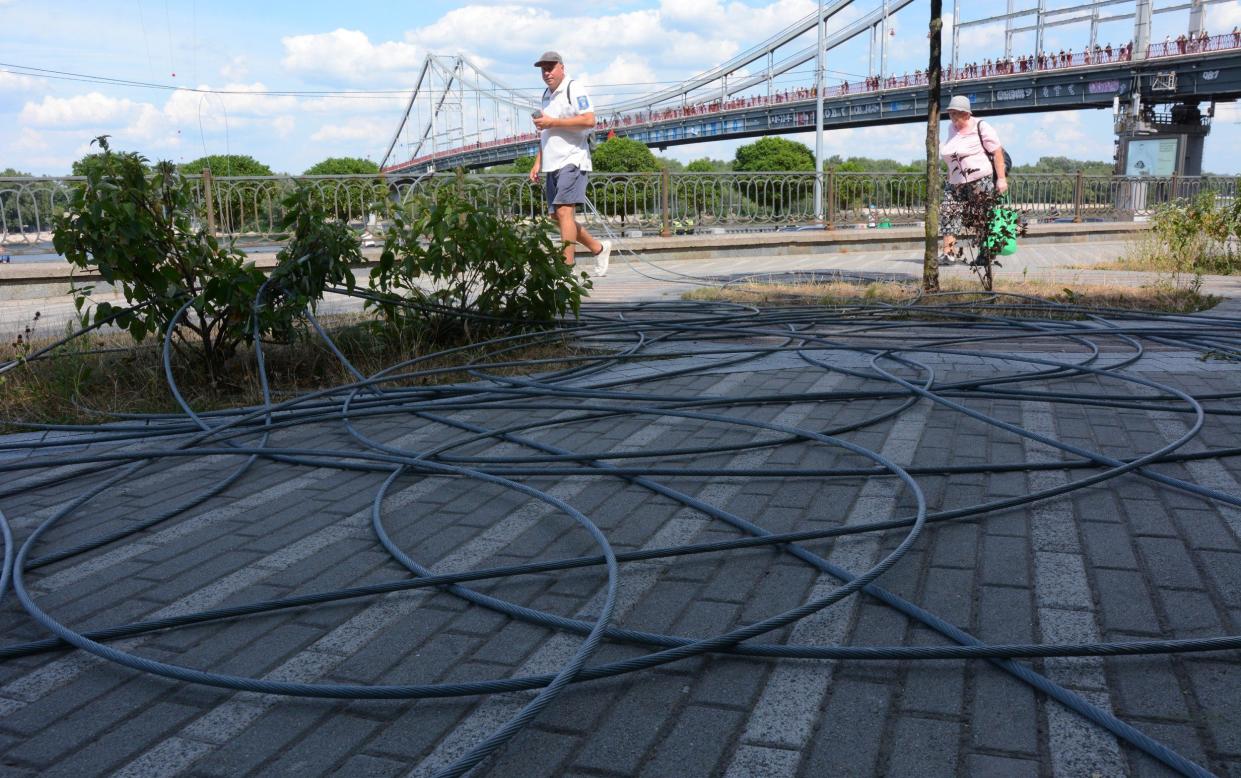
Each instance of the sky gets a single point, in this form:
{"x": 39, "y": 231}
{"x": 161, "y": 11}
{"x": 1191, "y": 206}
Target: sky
{"x": 345, "y": 71}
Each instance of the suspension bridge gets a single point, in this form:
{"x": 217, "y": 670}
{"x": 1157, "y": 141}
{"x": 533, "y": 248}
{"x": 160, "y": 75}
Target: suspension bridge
{"x": 460, "y": 116}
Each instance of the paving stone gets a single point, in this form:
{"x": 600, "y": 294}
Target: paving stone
{"x": 1107, "y": 545}
{"x": 855, "y": 711}
{"x": 949, "y": 594}
{"x": 730, "y": 682}
{"x": 1181, "y": 738}
{"x": 701, "y": 737}
{"x": 1217, "y": 686}
{"x": 1005, "y": 561}
{"x": 533, "y": 752}
{"x": 1125, "y": 602}
{"x": 956, "y": 545}
{"x": 370, "y": 767}
{"x": 922, "y": 747}
{"x": 1168, "y": 563}
{"x": 1225, "y": 571}
{"x": 1191, "y": 614}
{"x": 987, "y": 766}
{"x": 264, "y": 740}
{"x": 1005, "y": 615}
{"x": 633, "y": 727}
{"x": 121, "y": 743}
{"x": 1148, "y": 517}
{"x": 1147, "y": 686}
{"x": 1204, "y": 530}
{"x": 934, "y": 687}
{"x": 1005, "y": 714}
{"x": 74, "y": 731}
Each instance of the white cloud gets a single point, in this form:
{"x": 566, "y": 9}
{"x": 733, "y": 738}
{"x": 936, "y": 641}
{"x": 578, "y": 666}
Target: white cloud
{"x": 80, "y": 111}
{"x": 347, "y": 55}
{"x": 30, "y": 140}
{"x": 283, "y": 126}
{"x": 366, "y": 130}
{"x": 236, "y": 69}
{"x": 240, "y": 102}
{"x": 1222, "y": 18}
{"x": 15, "y": 82}
{"x": 1060, "y": 135}
{"x": 624, "y": 74}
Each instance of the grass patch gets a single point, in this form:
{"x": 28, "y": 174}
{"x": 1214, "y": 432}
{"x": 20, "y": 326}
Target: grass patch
{"x": 1161, "y": 297}
{"x": 97, "y": 375}
{"x": 1199, "y": 255}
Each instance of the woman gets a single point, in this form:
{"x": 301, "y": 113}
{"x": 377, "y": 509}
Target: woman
{"x": 975, "y": 165}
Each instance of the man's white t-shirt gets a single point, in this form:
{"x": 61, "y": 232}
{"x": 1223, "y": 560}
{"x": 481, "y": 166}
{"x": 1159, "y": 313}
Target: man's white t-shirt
{"x": 566, "y": 146}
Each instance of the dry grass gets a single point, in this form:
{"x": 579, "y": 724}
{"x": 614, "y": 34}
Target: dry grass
{"x": 98, "y": 375}
{"x": 1147, "y": 253}
{"x": 1161, "y": 297}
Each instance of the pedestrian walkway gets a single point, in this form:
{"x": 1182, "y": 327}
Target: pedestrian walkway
{"x": 721, "y": 430}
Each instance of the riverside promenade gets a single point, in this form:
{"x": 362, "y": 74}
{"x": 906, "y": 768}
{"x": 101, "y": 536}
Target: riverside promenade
{"x": 720, "y": 427}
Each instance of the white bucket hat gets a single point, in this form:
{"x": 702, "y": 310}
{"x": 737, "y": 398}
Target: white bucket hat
{"x": 960, "y": 103}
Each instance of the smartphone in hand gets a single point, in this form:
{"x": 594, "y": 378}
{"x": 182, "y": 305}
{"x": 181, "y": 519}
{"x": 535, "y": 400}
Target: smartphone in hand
{"x": 536, "y": 114}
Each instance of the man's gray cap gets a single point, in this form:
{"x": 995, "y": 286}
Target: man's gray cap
{"x": 549, "y": 56}
{"x": 960, "y": 103}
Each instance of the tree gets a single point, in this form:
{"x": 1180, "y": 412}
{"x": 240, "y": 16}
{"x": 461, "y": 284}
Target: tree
{"x": 773, "y": 155}
{"x": 930, "y": 251}
{"x": 708, "y": 165}
{"x": 339, "y": 166}
{"x": 227, "y": 165}
{"x": 520, "y": 165}
{"x": 770, "y": 155}
{"x": 624, "y": 155}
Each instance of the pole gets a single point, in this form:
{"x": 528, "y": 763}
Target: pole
{"x": 665, "y": 210}
{"x": 1077, "y": 198}
{"x": 956, "y": 37}
{"x": 818, "y": 119}
{"x": 883, "y": 45}
{"x": 209, "y": 196}
{"x": 1008, "y": 30}
{"x": 1038, "y": 23}
{"x": 930, "y": 254}
{"x": 1141, "y": 29}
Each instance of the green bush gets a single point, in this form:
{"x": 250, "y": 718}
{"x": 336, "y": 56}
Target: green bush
{"x": 134, "y": 224}
{"x": 452, "y": 271}
{"x": 319, "y": 253}
{"x": 1197, "y": 234}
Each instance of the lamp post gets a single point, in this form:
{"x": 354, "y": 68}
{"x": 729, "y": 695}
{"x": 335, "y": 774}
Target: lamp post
{"x": 819, "y": 213}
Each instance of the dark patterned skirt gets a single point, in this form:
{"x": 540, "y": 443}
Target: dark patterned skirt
{"x": 953, "y": 204}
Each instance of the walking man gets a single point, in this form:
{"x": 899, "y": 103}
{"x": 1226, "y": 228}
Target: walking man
{"x": 565, "y": 125}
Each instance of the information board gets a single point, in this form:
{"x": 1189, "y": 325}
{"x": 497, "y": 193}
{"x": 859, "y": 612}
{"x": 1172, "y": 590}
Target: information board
{"x": 1151, "y": 157}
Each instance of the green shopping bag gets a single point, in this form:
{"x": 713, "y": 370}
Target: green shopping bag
{"x": 1002, "y": 230}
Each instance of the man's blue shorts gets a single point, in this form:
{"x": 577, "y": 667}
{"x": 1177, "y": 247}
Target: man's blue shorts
{"x": 566, "y": 186}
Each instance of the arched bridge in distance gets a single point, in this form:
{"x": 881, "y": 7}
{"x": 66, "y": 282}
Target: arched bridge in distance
{"x": 456, "y": 111}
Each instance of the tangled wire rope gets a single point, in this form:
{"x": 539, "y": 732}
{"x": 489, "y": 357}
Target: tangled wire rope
{"x": 509, "y": 433}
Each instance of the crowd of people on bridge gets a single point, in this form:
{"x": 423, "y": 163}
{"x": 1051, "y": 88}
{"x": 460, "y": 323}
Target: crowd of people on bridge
{"x": 987, "y": 68}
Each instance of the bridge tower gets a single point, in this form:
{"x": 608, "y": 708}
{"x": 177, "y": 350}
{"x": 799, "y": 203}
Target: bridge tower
{"x": 1154, "y": 139}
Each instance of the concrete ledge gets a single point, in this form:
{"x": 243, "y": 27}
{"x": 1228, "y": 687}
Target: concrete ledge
{"x": 843, "y": 241}
{"x": 52, "y": 279}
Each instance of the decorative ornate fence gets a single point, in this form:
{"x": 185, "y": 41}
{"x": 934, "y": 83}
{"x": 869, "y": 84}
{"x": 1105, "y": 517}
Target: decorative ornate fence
{"x": 249, "y": 209}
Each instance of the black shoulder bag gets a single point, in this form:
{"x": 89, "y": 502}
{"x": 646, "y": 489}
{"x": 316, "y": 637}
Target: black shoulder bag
{"x": 1008, "y": 161}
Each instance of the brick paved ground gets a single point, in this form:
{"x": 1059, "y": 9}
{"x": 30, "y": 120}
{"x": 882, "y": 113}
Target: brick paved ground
{"x": 1125, "y": 560}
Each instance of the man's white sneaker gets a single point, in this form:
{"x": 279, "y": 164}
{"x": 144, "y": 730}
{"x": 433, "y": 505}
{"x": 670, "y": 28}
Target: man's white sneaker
{"x": 601, "y": 259}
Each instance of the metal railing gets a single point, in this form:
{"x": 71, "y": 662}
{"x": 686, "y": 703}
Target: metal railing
{"x": 250, "y": 208}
